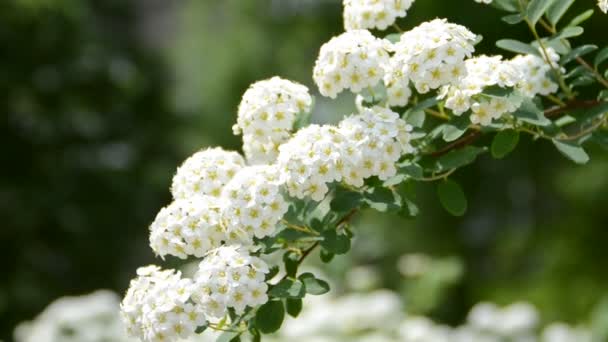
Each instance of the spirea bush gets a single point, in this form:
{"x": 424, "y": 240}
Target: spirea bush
{"x": 424, "y": 98}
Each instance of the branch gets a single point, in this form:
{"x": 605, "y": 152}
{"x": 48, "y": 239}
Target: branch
{"x": 572, "y": 105}
{"x": 462, "y": 142}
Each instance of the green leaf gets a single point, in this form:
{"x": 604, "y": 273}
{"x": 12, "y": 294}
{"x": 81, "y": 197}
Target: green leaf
{"x": 288, "y": 288}
{"x": 291, "y": 260}
{"x": 601, "y": 57}
{"x": 455, "y": 128}
{"x": 326, "y": 256}
{"x": 572, "y": 151}
{"x": 517, "y": 47}
{"x": 381, "y": 199}
{"x": 504, "y": 143}
{"x": 530, "y": 113}
{"x": 344, "y": 200}
{"x": 452, "y": 197}
{"x": 581, "y": 18}
{"x": 270, "y": 316}
{"x": 569, "y": 32}
{"x": 459, "y": 158}
{"x": 557, "y": 10}
{"x": 314, "y": 286}
{"x": 411, "y": 170}
{"x": 294, "y": 306}
{"x": 393, "y": 37}
{"x": 201, "y": 329}
{"x": 335, "y": 243}
{"x": 537, "y": 8}
{"x": 579, "y": 51}
{"x": 415, "y": 118}
{"x": 513, "y": 19}
{"x": 506, "y": 5}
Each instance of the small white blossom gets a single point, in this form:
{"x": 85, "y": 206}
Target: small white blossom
{"x": 253, "y": 204}
{"x": 487, "y": 2}
{"x": 267, "y": 114}
{"x": 230, "y": 278}
{"x": 535, "y": 73}
{"x": 603, "y": 4}
{"x": 430, "y": 55}
{"x": 205, "y": 173}
{"x": 187, "y": 227}
{"x": 369, "y": 14}
{"x": 309, "y": 161}
{"x": 354, "y": 60}
{"x": 483, "y": 72}
{"x": 157, "y": 306}
{"x": 375, "y": 139}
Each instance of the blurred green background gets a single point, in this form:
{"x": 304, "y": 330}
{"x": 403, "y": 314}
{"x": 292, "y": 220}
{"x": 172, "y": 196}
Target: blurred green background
{"x": 101, "y": 101}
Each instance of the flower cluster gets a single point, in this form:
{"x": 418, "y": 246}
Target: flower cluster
{"x": 368, "y": 14}
{"x": 353, "y": 60}
{"x": 88, "y": 318}
{"x": 230, "y": 278}
{"x": 158, "y": 306}
{"x": 603, "y": 4}
{"x": 376, "y": 139}
{"x": 309, "y": 161}
{"x": 205, "y": 173}
{"x": 267, "y": 114}
{"x": 535, "y": 73}
{"x": 362, "y": 145}
{"x": 187, "y": 227}
{"x": 430, "y": 56}
{"x": 253, "y": 203}
{"x": 483, "y": 72}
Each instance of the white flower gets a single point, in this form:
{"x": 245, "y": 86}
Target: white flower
{"x": 187, "y": 227}
{"x": 603, "y": 4}
{"x": 535, "y": 73}
{"x": 483, "y": 72}
{"x": 430, "y": 56}
{"x": 158, "y": 307}
{"x": 253, "y": 204}
{"x": 354, "y": 60}
{"x": 484, "y": 1}
{"x": 375, "y": 139}
{"x": 230, "y": 278}
{"x": 517, "y": 319}
{"x": 89, "y": 318}
{"x": 368, "y": 14}
{"x": 560, "y": 332}
{"x": 205, "y": 173}
{"x": 267, "y": 114}
{"x": 309, "y": 161}
{"x": 421, "y": 329}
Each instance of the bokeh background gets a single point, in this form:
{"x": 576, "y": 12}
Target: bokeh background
{"x": 101, "y": 100}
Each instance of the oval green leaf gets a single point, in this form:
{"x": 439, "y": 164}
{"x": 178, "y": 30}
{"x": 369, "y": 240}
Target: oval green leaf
{"x": 504, "y": 143}
{"x": 452, "y": 197}
{"x": 270, "y": 316}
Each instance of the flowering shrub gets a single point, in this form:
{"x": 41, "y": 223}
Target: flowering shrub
{"x": 423, "y": 100}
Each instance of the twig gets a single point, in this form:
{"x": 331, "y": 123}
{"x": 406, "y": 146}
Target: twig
{"x": 464, "y": 141}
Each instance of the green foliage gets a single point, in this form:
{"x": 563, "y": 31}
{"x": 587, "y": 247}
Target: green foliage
{"x": 572, "y": 151}
{"x": 452, "y": 197}
{"x": 314, "y": 286}
{"x": 504, "y": 143}
{"x": 269, "y": 316}
{"x": 288, "y": 288}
